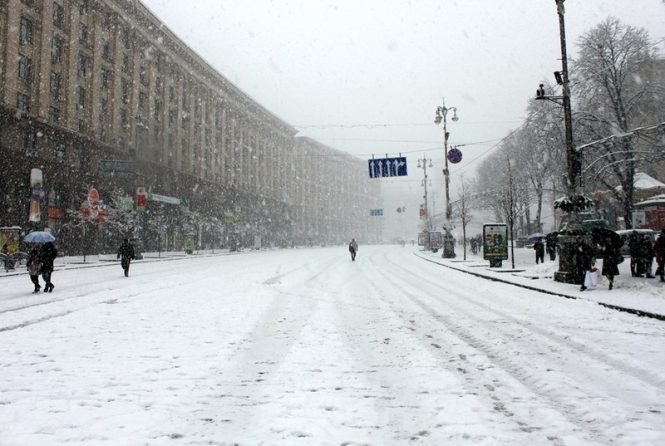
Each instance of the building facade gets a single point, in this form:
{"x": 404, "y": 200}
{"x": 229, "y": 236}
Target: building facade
{"x": 99, "y": 93}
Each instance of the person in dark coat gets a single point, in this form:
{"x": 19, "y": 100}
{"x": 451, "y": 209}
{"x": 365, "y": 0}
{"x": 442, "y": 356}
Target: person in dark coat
{"x": 645, "y": 262}
{"x": 126, "y": 254}
{"x": 353, "y": 248}
{"x": 582, "y": 255}
{"x": 539, "y": 247}
{"x": 47, "y": 256}
{"x": 550, "y": 246}
{"x": 633, "y": 250}
{"x": 659, "y": 251}
{"x": 611, "y": 260}
{"x": 34, "y": 267}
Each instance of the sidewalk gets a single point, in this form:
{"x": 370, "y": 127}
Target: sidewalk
{"x": 637, "y": 295}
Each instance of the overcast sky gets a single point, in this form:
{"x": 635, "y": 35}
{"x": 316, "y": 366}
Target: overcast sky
{"x": 366, "y": 76}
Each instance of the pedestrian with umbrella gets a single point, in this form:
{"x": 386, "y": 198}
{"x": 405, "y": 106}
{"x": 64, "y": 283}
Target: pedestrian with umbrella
{"x": 611, "y": 242}
{"x": 47, "y": 256}
{"x": 583, "y": 257}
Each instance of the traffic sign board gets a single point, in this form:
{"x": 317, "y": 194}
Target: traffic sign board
{"x": 387, "y": 167}
{"x": 454, "y": 155}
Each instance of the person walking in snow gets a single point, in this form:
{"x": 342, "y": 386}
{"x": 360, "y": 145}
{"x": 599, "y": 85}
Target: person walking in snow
{"x": 645, "y": 262}
{"x": 47, "y": 256}
{"x": 126, "y": 254}
{"x": 539, "y": 247}
{"x": 659, "y": 251}
{"x": 582, "y": 255}
{"x": 353, "y": 249}
{"x": 34, "y": 267}
{"x": 611, "y": 259}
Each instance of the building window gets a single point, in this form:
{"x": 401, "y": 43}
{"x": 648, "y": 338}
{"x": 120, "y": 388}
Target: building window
{"x": 106, "y": 49}
{"x": 53, "y": 115}
{"x": 80, "y": 126}
{"x": 122, "y": 114}
{"x": 55, "y": 84}
{"x": 124, "y": 36}
{"x": 24, "y": 64}
{"x": 158, "y": 84}
{"x": 142, "y": 100}
{"x": 26, "y": 33}
{"x": 59, "y": 152}
{"x": 80, "y": 96}
{"x": 124, "y": 91}
{"x": 103, "y": 109}
{"x": 83, "y": 32}
{"x": 106, "y": 21}
{"x": 56, "y": 49}
{"x": 104, "y": 79}
{"x": 171, "y": 94}
{"x": 83, "y": 65}
{"x": 83, "y": 6}
{"x": 30, "y": 143}
{"x": 58, "y": 15}
{"x": 23, "y": 102}
{"x": 158, "y": 109}
{"x": 143, "y": 76}
{"x": 125, "y": 63}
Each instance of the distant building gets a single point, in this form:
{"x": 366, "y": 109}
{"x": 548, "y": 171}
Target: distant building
{"x": 100, "y": 93}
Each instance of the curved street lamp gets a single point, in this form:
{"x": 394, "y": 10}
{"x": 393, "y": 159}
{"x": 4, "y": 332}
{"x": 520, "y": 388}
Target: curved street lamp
{"x": 449, "y": 241}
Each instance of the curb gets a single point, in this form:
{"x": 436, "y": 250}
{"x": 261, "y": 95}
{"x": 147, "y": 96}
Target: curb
{"x": 639, "y": 313}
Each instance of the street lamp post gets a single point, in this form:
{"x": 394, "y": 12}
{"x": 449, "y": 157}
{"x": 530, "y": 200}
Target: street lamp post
{"x": 566, "y": 271}
{"x": 449, "y": 240}
{"x": 428, "y": 227}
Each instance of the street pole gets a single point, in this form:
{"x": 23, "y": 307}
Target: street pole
{"x": 449, "y": 240}
{"x": 428, "y": 228}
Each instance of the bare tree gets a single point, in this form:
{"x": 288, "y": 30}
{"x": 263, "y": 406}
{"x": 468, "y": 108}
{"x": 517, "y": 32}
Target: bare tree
{"x": 615, "y": 94}
{"x": 462, "y": 207}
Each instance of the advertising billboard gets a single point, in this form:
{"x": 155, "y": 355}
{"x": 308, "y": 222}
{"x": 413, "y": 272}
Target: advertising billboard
{"x": 495, "y": 241}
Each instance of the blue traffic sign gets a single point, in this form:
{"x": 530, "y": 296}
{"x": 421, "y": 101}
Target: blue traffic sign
{"x": 387, "y": 167}
{"x": 454, "y": 155}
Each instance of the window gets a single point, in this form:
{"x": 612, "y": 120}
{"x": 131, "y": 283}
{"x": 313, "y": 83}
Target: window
{"x": 106, "y": 21}
{"x": 125, "y": 63}
{"x": 171, "y": 94}
{"x": 55, "y": 84}
{"x": 30, "y": 143}
{"x": 125, "y": 37}
{"x": 53, "y": 115}
{"x": 106, "y": 49}
{"x": 103, "y": 109}
{"x": 26, "y": 31}
{"x": 59, "y": 152}
{"x": 124, "y": 91}
{"x": 58, "y": 15}
{"x": 143, "y": 76}
{"x": 83, "y": 65}
{"x": 158, "y": 84}
{"x": 23, "y": 102}
{"x": 80, "y": 126}
{"x": 24, "y": 64}
{"x": 122, "y": 114}
{"x": 142, "y": 100}
{"x": 158, "y": 109}
{"x": 56, "y": 49}
{"x": 104, "y": 79}
{"x": 83, "y": 33}
{"x": 80, "y": 96}
{"x": 83, "y": 6}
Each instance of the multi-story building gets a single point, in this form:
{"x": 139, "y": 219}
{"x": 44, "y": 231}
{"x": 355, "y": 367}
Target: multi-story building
{"x": 100, "y": 93}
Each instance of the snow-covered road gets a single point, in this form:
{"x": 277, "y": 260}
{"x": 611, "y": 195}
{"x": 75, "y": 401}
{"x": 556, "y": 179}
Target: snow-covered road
{"x": 305, "y": 347}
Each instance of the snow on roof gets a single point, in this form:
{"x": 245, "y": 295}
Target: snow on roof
{"x": 658, "y": 199}
{"x": 644, "y": 181}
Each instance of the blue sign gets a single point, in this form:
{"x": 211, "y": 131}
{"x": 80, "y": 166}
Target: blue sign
{"x": 387, "y": 167}
{"x": 376, "y": 212}
{"x": 454, "y": 155}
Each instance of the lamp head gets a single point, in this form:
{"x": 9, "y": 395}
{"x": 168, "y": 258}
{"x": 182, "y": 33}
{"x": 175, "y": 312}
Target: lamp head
{"x": 437, "y": 120}
{"x": 455, "y": 118}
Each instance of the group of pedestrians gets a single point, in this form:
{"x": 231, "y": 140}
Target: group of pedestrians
{"x": 641, "y": 255}
{"x": 545, "y": 245}
{"x": 40, "y": 261}
{"x": 42, "y": 257}
{"x": 641, "y": 250}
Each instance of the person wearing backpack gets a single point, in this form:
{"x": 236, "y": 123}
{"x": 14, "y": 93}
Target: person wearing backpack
{"x": 353, "y": 249}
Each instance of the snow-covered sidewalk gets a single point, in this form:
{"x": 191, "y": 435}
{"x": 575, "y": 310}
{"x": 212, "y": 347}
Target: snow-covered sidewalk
{"x": 640, "y": 295}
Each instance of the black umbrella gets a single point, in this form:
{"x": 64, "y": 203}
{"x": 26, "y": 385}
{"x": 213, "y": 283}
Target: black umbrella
{"x": 600, "y": 236}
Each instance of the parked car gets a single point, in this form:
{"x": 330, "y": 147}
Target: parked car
{"x": 625, "y": 236}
